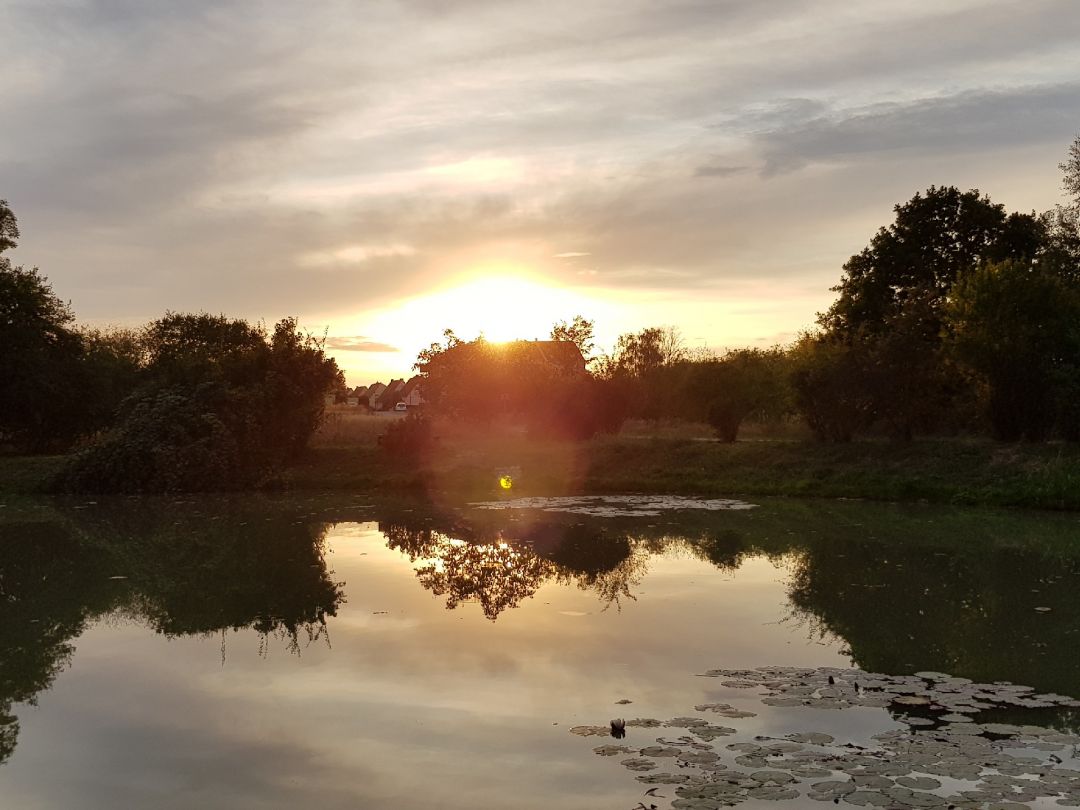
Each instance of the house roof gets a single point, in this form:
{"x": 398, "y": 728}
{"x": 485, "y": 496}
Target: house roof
{"x": 410, "y": 385}
{"x": 563, "y": 354}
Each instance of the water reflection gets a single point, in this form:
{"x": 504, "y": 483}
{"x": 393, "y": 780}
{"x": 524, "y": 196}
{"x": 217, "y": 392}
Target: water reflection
{"x": 498, "y": 567}
{"x": 901, "y": 590}
{"x": 177, "y": 569}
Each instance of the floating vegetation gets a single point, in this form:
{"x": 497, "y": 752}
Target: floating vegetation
{"x": 942, "y": 757}
{"x": 616, "y": 505}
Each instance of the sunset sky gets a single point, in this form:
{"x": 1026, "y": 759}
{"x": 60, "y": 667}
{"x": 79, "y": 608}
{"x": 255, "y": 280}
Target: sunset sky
{"x": 384, "y": 170}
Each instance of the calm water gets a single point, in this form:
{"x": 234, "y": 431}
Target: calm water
{"x": 305, "y": 653}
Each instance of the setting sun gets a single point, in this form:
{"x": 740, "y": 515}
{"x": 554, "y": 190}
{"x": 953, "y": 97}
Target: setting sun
{"x": 499, "y": 304}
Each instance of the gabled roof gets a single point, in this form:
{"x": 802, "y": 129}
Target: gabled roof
{"x": 410, "y": 385}
{"x": 563, "y": 354}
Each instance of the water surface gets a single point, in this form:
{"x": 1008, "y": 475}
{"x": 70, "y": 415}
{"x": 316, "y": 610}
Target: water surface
{"x": 309, "y": 652}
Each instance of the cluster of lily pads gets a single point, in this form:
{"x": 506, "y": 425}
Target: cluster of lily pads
{"x": 615, "y": 505}
{"x": 940, "y": 755}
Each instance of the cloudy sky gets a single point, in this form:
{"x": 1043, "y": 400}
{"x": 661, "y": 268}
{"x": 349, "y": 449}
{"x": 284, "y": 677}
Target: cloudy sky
{"x": 386, "y": 169}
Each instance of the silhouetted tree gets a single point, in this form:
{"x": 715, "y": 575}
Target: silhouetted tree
{"x": 224, "y": 406}
{"x": 579, "y": 332}
{"x": 1017, "y": 325}
{"x": 741, "y": 383}
{"x": 828, "y": 377}
{"x": 933, "y": 238}
{"x": 39, "y": 356}
{"x": 9, "y": 227}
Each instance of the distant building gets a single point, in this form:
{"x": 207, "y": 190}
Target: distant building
{"x": 562, "y": 356}
{"x": 410, "y": 394}
{"x": 392, "y": 395}
{"x": 374, "y": 395}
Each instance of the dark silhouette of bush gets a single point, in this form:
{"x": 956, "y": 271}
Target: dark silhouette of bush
{"x": 1016, "y": 325}
{"x": 409, "y": 440}
{"x": 223, "y": 406}
{"x": 830, "y": 388}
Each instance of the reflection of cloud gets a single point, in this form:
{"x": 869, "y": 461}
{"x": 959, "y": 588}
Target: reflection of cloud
{"x": 358, "y": 343}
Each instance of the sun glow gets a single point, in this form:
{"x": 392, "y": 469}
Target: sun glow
{"x": 501, "y": 305}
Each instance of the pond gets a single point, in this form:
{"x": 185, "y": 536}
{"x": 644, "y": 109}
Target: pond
{"x": 336, "y": 653}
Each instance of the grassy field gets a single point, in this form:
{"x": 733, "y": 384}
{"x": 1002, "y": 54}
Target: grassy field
{"x": 668, "y": 458}
{"x": 682, "y": 458}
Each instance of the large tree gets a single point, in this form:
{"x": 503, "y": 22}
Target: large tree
{"x": 579, "y": 332}
{"x": 39, "y": 355}
{"x": 1017, "y": 326}
{"x": 889, "y": 310}
{"x": 934, "y": 237}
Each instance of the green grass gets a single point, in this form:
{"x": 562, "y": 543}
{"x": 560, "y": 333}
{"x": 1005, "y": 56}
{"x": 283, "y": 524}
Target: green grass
{"x": 24, "y": 475}
{"x": 951, "y": 471}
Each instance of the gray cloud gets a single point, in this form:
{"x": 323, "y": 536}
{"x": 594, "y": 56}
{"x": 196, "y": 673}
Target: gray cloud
{"x": 719, "y": 171}
{"x": 191, "y": 155}
{"x": 968, "y": 121}
{"x": 358, "y": 343}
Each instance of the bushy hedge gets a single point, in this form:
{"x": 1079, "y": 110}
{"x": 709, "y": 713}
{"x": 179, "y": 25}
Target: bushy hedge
{"x": 223, "y": 407}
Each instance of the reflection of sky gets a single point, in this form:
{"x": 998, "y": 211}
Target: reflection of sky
{"x": 416, "y": 707}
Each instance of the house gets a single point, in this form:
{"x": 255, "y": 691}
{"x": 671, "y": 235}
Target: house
{"x": 562, "y": 356}
{"x": 410, "y": 394}
{"x": 374, "y": 395}
{"x": 392, "y": 395}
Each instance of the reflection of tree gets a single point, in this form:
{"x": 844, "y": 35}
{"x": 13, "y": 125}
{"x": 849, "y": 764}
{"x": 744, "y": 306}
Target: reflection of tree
{"x": 48, "y": 591}
{"x": 471, "y": 562}
{"x": 971, "y": 612}
{"x": 176, "y": 569}
{"x": 724, "y": 548}
{"x": 606, "y": 562}
{"x": 498, "y": 576}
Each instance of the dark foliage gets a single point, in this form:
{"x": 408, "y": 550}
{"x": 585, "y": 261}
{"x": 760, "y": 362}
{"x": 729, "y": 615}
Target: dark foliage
{"x": 223, "y": 406}
{"x": 408, "y": 441}
{"x": 1017, "y": 326}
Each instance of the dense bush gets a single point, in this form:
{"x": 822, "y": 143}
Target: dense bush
{"x": 1017, "y": 326}
{"x": 222, "y": 406}
{"x": 738, "y": 385}
{"x": 409, "y": 440}
{"x": 828, "y": 381}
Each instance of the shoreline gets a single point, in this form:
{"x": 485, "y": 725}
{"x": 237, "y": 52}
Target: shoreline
{"x": 940, "y": 471}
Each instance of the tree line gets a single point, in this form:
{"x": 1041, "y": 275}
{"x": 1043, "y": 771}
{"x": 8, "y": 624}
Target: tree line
{"x": 188, "y": 402}
{"x": 958, "y": 318}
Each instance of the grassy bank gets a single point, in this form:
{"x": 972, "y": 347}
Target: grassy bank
{"x": 347, "y": 460}
{"x": 954, "y": 471}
